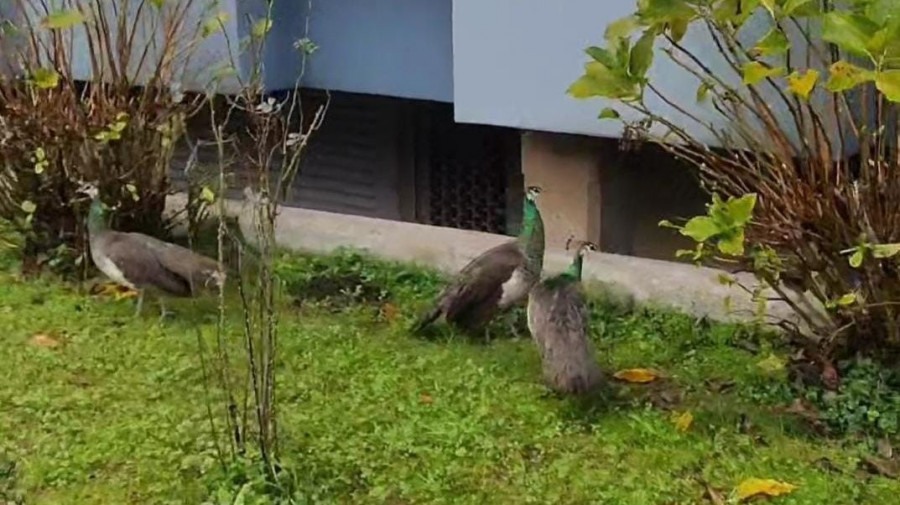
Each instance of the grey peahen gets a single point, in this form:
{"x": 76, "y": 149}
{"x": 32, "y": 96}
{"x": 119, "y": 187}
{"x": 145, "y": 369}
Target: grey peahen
{"x": 142, "y": 263}
{"x": 559, "y": 320}
{"x": 497, "y": 279}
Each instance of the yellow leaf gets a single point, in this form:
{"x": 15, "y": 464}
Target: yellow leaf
{"x": 802, "y": 85}
{"x": 767, "y": 487}
{"x": 772, "y": 364}
{"x": 754, "y": 72}
{"x": 683, "y": 422}
{"x": 45, "y": 341}
{"x": 637, "y": 375}
{"x": 62, "y": 19}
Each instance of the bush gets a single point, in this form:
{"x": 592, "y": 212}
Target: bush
{"x": 808, "y": 199}
{"x": 58, "y": 132}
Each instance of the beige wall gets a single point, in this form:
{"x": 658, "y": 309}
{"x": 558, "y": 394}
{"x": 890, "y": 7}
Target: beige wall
{"x": 567, "y": 168}
{"x": 595, "y": 191}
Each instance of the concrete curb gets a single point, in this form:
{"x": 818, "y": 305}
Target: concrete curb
{"x": 687, "y": 288}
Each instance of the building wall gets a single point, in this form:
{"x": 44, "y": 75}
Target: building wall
{"x": 400, "y": 48}
{"x": 513, "y": 61}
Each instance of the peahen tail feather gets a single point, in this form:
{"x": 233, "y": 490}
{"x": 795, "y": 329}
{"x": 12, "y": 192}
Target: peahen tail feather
{"x": 426, "y": 319}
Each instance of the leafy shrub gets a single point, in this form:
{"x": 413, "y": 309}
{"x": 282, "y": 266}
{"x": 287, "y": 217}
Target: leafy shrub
{"x": 807, "y": 199}
{"x": 58, "y": 132}
{"x": 868, "y": 401}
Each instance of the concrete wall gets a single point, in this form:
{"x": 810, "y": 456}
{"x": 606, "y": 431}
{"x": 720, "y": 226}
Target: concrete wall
{"x": 681, "y": 287}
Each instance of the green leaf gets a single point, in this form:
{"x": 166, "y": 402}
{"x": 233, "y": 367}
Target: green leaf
{"x": 600, "y": 81}
{"x": 158, "y": 3}
{"x": 798, "y": 7}
{"x": 740, "y": 210}
{"x": 846, "y": 300}
{"x": 45, "y": 78}
{"x": 609, "y": 113}
{"x": 261, "y": 28}
{"x": 700, "y": 228}
{"x": 802, "y": 85}
{"x": 856, "y": 258}
{"x": 843, "y": 76}
{"x": 621, "y": 28}
{"x": 769, "y": 5}
{"x": 754, "y": 72}
{"x": 29, "y": 207}
{"x": 703, "y": 91}
{"x": 665, "y": 223}
{"x": 773, "y": 43}
{"x": 62, "y": 19}
{"x": 678, "y": 28}
{"x": 733, "y": 244}
{"x": 888, "y": 82}
{"x": 882, "y": 251}
{"x": 602, "y": 56}
{"x": 214, "y": 24}
{"x": 850, "y": 32}
{"x": 642, "y": 55}
{"x": 207, "y": 195}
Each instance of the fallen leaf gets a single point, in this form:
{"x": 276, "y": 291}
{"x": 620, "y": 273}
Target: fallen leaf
{"x": 772, "y": 364}
{"x": 389, "y": 311}
{"x": 44, "y": 341}
{"x": 637, "y": 375}
{"x": 763, "y": 487}
{"x": 683, "y": 422}
{"x": 426, "y": 399}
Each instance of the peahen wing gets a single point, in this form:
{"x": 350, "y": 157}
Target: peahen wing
{"x": 140, "y": 264}
{"x": 197, "y": 270}
{"x": 474, "y": 294}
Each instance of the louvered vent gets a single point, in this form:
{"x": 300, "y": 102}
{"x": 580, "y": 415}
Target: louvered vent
{"x": 350, "y": 165}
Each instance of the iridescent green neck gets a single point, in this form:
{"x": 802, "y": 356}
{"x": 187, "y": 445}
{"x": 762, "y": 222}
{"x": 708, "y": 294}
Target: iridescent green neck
{"x": 531, "y": 237}
{"x": 574, "y": 270}
{"x": 96, "y": 217}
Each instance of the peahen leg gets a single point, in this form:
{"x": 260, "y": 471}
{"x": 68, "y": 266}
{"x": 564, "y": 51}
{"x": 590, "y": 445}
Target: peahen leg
{"x": 163, "y": 312}
{"x": 140, "y": 303}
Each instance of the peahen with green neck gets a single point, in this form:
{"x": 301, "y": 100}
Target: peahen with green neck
{"x": 497, "y": 279}
{"x": 142, "y": 263}
{"x": 559, "y": 321}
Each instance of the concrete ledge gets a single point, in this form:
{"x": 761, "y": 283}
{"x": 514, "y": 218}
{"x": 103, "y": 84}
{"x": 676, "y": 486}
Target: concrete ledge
{"x": 687, "y": 288}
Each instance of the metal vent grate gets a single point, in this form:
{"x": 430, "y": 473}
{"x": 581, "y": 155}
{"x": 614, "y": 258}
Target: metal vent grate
{"x": 469, "y": 167}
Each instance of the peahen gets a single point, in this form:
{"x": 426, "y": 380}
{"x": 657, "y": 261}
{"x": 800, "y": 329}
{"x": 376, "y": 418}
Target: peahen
{"x": 142, "y": 263}
{"x": 497, "y": 279}
{"x": 558, "y": 319}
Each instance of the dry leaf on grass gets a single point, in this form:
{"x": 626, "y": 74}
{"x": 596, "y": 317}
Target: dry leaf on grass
{"x": 637, "y": 375}
{"x": 44, "y": 341}
{"x": 683, "y": 421}
{"x": 426, "y": 399}
{"x": 389, "y": 311}
{"x": 762, "y": 487}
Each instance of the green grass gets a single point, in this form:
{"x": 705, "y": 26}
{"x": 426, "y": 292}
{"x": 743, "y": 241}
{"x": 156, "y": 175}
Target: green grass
{"x": 371, "y": 414}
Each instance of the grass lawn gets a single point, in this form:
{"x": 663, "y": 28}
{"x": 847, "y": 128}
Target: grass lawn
{"x": 99, "y": 407}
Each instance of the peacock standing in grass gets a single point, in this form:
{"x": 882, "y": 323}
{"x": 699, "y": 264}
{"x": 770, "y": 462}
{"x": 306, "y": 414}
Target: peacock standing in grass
{"x": 497, "y": 279}
{"x": 140, "y": 262}
{"x": 559, "y": 321}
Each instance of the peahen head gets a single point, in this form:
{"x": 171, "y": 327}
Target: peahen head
{"x": 575, "y": 267}
{"x": 532, "y": 193}
{"x": 97, "y": 214}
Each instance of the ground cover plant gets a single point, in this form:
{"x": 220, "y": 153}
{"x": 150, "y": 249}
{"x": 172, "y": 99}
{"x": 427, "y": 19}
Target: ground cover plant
{"x": 99, "y": 407}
